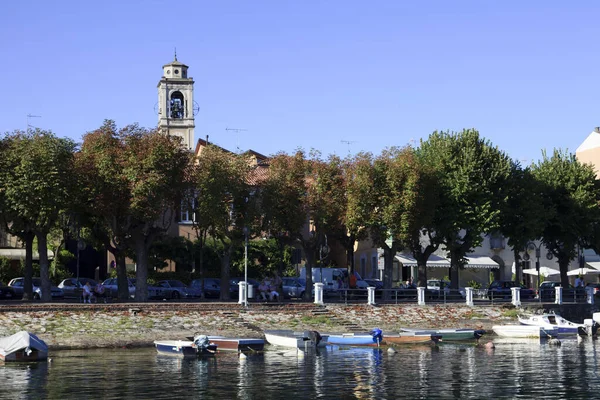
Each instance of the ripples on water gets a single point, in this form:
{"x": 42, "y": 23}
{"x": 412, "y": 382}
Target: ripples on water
{"x": 513, "y": 370}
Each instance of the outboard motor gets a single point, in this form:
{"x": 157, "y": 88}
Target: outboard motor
{"x": 202, "y": 343}
{"x": 314, "y": 337}
{"x": 377, "y": 335}
{"x": 594, "y": 329}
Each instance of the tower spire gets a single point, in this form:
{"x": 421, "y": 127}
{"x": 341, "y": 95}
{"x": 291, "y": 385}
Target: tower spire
{"x": 175, "y": 53}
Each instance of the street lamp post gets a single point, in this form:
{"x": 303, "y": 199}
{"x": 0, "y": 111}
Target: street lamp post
{"x": 245, "y": 266}
{"x": 530, "y": 247}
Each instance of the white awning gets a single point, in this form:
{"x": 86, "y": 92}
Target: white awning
{"x": 433, "y": 261}
{"x": 19, "y": 254}
{"x": 480, "y": 262}
{"x": 593, "y": 264}
{"x": 441, "y": 262}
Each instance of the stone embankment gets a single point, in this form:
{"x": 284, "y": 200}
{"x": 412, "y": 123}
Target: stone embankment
{"x": 139, "y": 324}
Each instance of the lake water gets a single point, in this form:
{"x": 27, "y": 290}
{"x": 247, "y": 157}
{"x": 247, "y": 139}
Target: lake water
{"x": 529, "y": 369}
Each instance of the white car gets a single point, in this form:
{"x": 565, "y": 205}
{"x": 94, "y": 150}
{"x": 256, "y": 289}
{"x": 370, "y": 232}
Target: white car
{"x": 17, "y": 285}
{"x": 112, "y": 290}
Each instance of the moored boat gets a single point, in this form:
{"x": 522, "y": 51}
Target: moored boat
{"x": 525, "y": 331}
{"x": 373, "y": 338}
{"x": 23, "y": 346}
{"x": 299, "y": 340}
{"x": 450, "y": 334}
{"x": 417, "y": 337}
{"x": 565, "y": 327}
{"x": 237, "y": 344}
{"x": 186, "y": 348}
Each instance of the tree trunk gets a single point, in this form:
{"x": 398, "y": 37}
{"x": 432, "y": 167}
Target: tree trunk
{"x": 44, "y": 271}
{"x": 563, "y": 264}
{"x": 422, "y": 274}
{"x": 28, "y": 272}
{"x": 310, "y": 260}
{"x": 388, "y": 266}
{"x": 225, "y": 276}
{"x": 453, "y": 270}
{"x": 518, "y": 267}
{"x": 121, "y": 266}
{"x": 141, "y": 270}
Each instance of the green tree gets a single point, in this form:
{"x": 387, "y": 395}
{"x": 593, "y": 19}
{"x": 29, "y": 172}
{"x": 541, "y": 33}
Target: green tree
{"x": 472, "y": 177}
{"x": 523, "y": 216}
{"x": 282, "y": 201}
{"x": 137, "y": 178}
{"x": 223, "y": 205}
{"x": 37, "y": 186}
{"x": 570, "y": 202}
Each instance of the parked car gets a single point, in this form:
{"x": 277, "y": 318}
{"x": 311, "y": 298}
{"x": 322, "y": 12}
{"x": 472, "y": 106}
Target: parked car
{"x": 72, "y": 287}
{"x": 438, "y": 286}
{"x": 293, "y": 287}
{"x": 234, "y": 286}
{"x": 596, "y": 287}
{"x": 212, "y": 287}
{"x": 6, "y": 292}
{"x": 174, "y": 289}
{"x": 548, "y": 291}
{"x": 376, "y": 283}
{"x": 111, "y": 288}
{"x": 502, "y": 290}
{"x": 17, "y": 284}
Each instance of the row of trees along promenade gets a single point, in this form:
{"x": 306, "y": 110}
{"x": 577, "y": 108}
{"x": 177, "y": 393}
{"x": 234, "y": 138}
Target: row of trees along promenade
{"x": 122, "y": 189}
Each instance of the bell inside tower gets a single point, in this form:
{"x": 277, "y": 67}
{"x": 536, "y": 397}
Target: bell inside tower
{"x": 176, "y": 105}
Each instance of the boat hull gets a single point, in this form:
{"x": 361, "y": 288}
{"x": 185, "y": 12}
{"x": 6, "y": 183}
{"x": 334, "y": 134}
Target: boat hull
{"x": 412, "y": 338}
{"x": 450, "y": 335}
{"x": 524, "y": 331}
{"x": 564, "y": 326}
{"x": 181, "y": 348}
{"x": 237, "y": 344}
{"x": 353, "y": 340}
{"x": 288, "y": 338}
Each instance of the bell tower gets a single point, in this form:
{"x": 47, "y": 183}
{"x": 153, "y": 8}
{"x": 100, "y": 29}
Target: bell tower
{"x": 176, "y": 108}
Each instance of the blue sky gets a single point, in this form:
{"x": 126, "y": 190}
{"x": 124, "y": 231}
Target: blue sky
{"x": 311, "y": 74}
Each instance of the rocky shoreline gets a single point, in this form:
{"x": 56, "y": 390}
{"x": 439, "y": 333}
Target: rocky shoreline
{"x": 76, "y": 326}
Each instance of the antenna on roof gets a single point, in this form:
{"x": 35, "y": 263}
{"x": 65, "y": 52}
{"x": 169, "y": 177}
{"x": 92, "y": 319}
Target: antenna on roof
{"x": 348, "y": 142}
{"x": 237, "y": 136}
{"x": 28, "y": 125}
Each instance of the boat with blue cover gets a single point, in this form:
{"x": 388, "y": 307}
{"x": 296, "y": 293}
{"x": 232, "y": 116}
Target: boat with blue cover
{"x": 373, "y": 338}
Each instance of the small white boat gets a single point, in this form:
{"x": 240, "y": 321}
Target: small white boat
{"x": 298, "y": 340}
{"x": 23, "y": 346}
{"x": 565, "y": 327}
{"x": 525, "y": 331}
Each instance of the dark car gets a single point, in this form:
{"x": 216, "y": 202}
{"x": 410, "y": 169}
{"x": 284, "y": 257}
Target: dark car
{"x": 234, "y": 286}
{"x": 6, "y": 292}
{"x": 596, "y": 287}
{"x": 212, "y": 287}
{"x": 503, "y": 290}
{"x": 174, "y": 289}
{"x": 376, "y": 283}
{"x": 548, "y": 292}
